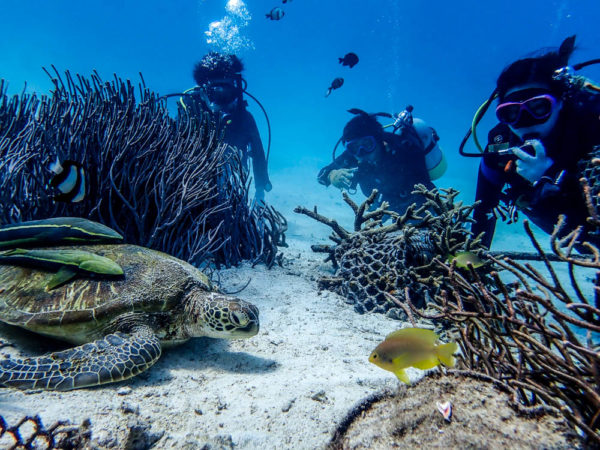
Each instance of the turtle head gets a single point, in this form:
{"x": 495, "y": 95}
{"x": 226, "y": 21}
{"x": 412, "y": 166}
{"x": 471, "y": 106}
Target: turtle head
{"x": 220, "y": 316}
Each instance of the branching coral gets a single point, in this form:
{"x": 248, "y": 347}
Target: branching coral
{"x": 534, "y": 337}
{"x": 378, "y": 264}
{"x": 523, "y": 335}
{"x": 163, "y": 183}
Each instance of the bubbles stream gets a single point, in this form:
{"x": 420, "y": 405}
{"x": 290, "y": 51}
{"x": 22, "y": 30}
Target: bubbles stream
{"x": 226, "y": 34}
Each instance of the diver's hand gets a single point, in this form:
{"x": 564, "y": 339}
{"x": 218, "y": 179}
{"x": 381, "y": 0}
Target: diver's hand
{"x": 342, "y": 178}
{"x": 268, "y": 186}
{"x": 532, "y": 167}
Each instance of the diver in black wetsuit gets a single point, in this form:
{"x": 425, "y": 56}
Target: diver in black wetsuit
{"x": 220, "y": 91}
{"x": 530, "y": 162}
{"x": 391, "y": 163}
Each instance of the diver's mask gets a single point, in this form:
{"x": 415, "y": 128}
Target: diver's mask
{"x": 362, "y": 146}
{"x": 221, "y": 94}
{"x": 539, "y": 109}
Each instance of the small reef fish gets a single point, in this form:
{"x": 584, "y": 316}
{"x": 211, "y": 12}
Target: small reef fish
{"x": 275, "y": 14}
{"x": 335, "y": 84}
{"x": 349, "y": 60}
{"x": 285, "y": 1}
{"x": 68, "y": 262}
{"x": 412, "y": 347}
{"x": 464, "y": 258}
{"x": 70, "y": 180}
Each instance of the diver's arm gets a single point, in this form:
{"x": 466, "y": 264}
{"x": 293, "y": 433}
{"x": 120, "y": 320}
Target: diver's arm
{"x": 257, "y": 152}
{"x": 488, "y": 194}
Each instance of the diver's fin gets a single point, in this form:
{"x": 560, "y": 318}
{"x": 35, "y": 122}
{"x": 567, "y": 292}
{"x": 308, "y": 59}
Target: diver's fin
{"x": 428, "y": 363}
{"x": 401, "y": 374}
{"x": 64, "y": 275}
{"x": 445, "y": 351}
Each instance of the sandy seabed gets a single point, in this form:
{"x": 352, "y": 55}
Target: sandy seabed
{"x": 288, "y": 387}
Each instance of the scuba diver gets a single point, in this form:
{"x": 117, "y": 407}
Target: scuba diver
{"x": 392, "y": 163}
{"x": 220, "y": 91}
{"x": 549, "y": 122}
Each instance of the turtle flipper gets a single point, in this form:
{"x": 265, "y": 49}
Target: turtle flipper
{"x": 115, "y": 357}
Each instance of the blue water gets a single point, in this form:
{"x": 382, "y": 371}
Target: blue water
{"x": 443, "y": 57}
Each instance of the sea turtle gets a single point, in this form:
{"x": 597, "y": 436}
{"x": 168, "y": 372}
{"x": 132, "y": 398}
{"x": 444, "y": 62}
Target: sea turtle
{"x": 119, "y": 324}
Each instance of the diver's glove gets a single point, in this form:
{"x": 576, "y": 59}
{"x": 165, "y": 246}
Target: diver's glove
{"x": 342, "y": 178}
{"x": 532, "y": 167}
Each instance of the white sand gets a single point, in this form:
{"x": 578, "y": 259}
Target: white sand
{"x": 287, "y": 387}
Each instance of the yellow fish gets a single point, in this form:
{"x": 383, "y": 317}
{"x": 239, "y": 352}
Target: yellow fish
{"x": 412, "y": 347}
{"x": 463, "y": 258}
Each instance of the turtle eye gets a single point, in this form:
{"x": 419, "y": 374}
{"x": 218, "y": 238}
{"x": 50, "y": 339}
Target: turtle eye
{"x": 239, "y": 318}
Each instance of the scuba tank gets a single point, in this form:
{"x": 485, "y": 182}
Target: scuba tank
{"x": 435, "y": 161}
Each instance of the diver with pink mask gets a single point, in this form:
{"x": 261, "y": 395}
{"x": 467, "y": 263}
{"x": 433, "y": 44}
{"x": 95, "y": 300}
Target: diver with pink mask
{"x": 548, "y": 125}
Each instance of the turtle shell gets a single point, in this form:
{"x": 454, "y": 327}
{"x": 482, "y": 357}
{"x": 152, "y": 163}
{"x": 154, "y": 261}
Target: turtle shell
{"x": 153, "y": 282}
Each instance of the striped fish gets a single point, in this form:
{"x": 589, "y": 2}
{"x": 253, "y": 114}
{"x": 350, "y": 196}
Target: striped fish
{"x": 70, "y": 181}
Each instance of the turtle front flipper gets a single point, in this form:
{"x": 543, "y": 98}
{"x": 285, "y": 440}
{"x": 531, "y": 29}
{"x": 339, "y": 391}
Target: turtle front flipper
{"x": 115, "y": 357}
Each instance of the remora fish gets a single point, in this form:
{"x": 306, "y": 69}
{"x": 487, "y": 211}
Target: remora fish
{"x": 412, "y": 347}
{"x": 57, "y": 230}
{"x": 69, "y": 263}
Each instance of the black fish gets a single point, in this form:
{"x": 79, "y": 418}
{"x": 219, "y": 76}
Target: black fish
{"x": 349, "y": 60}
{"x": 275, "y": 14}
{"x": 286, "y": 1}
{"x": 70, "y": 181}
{"x": 335, "y": 84}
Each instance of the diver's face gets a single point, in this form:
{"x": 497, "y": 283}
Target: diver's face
{"x": 533, "y": 110}
{"x": 221, "y": 94}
